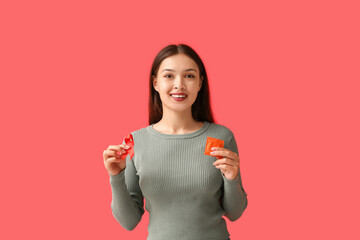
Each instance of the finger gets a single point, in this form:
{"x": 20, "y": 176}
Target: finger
{"x": 113, "y": 159}
{"x": 122, "y": 148}
{"x": 224, "y": 167}
{"x": 118, "y": 147}
{"x": 113, "y": 153}
{"x": 225, "y": 153}
{"x": 218, "y": 148}
{"x": 108, "y": 153}
{"x": 225, "y": 161}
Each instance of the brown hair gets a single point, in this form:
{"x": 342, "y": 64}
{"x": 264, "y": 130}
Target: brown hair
{"x": 201, "y": 109}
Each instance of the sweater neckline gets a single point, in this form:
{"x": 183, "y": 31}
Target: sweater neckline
{"x": 185, "y": 135}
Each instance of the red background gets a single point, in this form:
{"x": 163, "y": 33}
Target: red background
{"x": 284, "y": 77}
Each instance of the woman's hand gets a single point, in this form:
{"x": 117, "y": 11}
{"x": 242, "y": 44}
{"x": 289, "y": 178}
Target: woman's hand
{"x": 229, "y": 165}
{"x": 113, "y": 164}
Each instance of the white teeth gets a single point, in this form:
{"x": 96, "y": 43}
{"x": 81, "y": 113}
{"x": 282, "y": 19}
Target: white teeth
{"x": 179, "y": 96}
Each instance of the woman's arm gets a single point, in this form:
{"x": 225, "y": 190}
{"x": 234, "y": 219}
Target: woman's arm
{"x": 127, "y": 203}
{"x": 234, "y": 198}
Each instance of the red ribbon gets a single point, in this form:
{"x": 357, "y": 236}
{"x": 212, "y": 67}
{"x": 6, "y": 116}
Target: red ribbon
{"x": 129, "y": 141}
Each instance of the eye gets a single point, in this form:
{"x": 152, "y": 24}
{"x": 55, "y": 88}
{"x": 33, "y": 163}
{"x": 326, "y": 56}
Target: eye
{"x": 192, "y": 76}
{"x": 167, "y": 75}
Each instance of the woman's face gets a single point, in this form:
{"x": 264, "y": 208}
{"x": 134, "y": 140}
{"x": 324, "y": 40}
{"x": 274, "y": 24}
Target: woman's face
{"x": 178, "y": 73}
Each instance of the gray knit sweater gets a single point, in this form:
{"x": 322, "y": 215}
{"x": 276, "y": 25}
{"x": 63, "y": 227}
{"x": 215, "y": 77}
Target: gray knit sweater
{"x": 186, "y": 195}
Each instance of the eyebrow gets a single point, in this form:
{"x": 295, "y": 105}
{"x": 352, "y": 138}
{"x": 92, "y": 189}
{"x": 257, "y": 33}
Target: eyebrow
{"x": 189, "y": 69}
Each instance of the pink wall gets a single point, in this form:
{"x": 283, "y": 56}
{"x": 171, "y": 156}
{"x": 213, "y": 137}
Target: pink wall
{"x": 284, "y": 76}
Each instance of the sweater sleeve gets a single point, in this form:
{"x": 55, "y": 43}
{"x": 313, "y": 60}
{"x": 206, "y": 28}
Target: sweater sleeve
{"x": 234, "y": 199}
{"x": 127, "y": 203}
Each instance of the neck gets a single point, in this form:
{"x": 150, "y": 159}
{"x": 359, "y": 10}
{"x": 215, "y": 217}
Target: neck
{"x": 175, "y": 122}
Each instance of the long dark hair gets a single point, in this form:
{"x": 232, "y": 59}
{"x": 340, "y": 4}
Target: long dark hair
{"x": 201, "y": 109}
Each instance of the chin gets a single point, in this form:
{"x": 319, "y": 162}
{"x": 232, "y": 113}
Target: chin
{"x": 179, "y": 108}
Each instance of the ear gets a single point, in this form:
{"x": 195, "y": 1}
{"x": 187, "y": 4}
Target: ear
{"x": 154, "y": 82}
{"x": 201, "y": 80}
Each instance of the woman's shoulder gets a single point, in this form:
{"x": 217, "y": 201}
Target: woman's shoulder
{"x": 221, "y": 127}
{"x": 139, "y": 131}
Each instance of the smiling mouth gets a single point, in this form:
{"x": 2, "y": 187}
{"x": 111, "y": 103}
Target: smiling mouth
{"x": 178, "y": 97}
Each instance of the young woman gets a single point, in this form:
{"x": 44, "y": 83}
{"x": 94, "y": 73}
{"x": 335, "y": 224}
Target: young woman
{"x": 186, "y": 191}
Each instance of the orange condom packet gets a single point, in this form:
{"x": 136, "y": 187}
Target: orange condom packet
{"x": 213, "y": 142}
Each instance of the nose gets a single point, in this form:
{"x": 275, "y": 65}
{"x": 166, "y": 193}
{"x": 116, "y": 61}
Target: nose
{"x": 179, "y": 83}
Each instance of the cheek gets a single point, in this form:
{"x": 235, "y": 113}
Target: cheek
{"x": 165, "y": 87}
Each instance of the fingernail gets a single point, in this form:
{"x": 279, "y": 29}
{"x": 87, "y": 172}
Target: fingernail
{"x": 213, "y": 148}
{"x": 211, "y": 152}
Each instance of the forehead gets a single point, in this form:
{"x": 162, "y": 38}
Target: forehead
{"x": 178, "y": 62}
